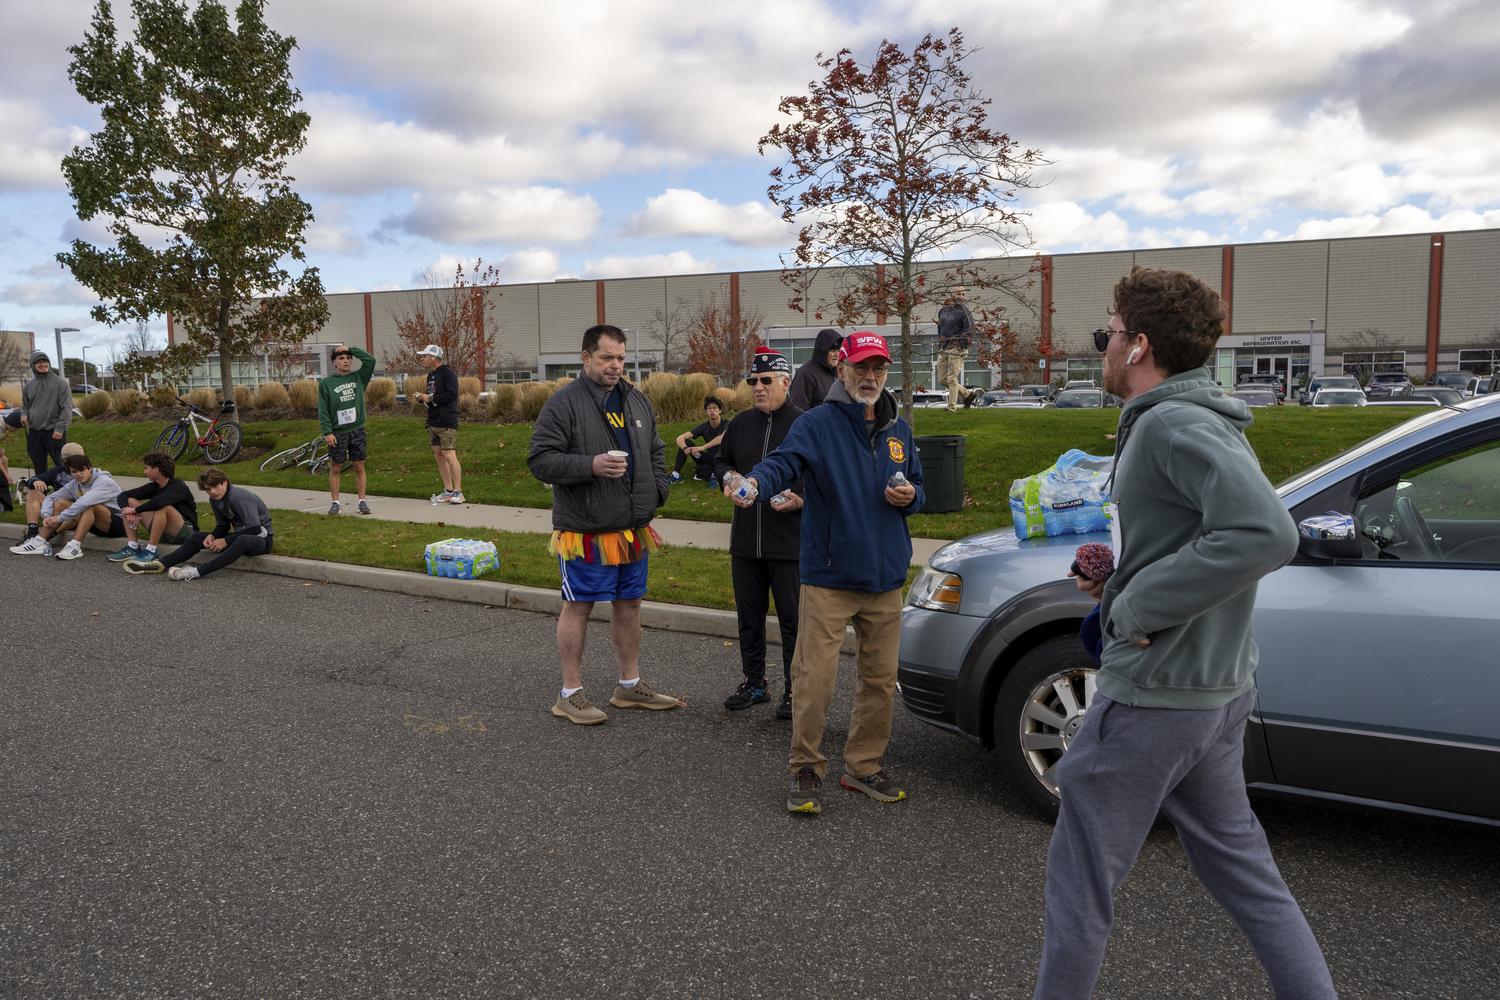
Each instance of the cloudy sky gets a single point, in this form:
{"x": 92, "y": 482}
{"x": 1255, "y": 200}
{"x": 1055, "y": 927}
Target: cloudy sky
{"x": 596, "y": 139}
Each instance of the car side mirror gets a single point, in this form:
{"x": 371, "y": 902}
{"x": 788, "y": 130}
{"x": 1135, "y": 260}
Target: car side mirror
{"x": 1333, "y": 535}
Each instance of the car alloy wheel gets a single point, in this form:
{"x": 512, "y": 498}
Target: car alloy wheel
{"x": 1041, "y": 705}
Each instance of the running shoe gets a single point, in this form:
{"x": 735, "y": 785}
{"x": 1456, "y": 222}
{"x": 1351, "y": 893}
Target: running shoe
{"x": 641, "y": 696}
{"x": 457, "y": 496}
{"x": 36, "y": 545}
{"x": 73, "y": 550}
{"x": 442, "y": 497}
{"x": 879, "y": 786}
{"x": 143, "y": 564}
{"x": 333, "y": 508}
{"x": 676, "y": 478}
{"x": 807, "y": 792}
{"x": 748, "y": 693}
{"x": 713, "y": 482}
{"x": 784, "y": 710}
{"x": 128, "y": 552}
{"x": 364, "y": 508}
{"x": 578, "y": 709}
{"x": 183, "y": 572}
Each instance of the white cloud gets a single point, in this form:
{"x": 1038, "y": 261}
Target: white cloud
{"x": 332, "y": 231}
{"x": 679, "y": 262}
{"x": 49, "y": 293}
{"x": 503, "y": 215}
{"x": 680, "y": 212}
{"x": 1401, "y": 219}
{"x": 1067, "y": 223}
{"x": 532, "y": 264}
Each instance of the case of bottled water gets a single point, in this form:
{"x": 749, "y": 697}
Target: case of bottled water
{"x": 1069, "y": 498}
{"x": 460, "y": 558}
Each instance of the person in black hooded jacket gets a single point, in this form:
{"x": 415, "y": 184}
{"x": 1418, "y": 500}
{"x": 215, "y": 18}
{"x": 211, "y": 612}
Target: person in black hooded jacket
{"x": 765, "y": 540}
{"x": 815, "y": 378}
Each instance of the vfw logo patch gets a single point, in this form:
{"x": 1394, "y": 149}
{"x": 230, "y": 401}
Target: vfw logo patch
{"x": 898, "y": 453}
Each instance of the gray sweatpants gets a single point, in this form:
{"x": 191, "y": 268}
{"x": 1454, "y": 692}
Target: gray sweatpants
{"x": 1124, "y": 765}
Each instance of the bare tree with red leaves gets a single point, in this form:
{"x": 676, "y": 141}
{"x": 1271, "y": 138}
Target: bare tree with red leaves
{"x": 723, "y": 340}
{"x": 890, "y": 167}
{"x": 458, "y": 317}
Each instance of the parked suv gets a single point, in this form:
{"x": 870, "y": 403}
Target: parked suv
{"x": 1450, "y": 380}
{"x": 1388, "y": 385}
{"x": 1318, "y": 382}
{"x": 1263, "y": 381}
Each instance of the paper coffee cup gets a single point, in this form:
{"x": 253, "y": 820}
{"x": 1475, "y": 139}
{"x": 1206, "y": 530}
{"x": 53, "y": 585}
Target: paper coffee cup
{"x": 617, "y": 454}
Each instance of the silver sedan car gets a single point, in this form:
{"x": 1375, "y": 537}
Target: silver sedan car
{"x": 1377, "y": 686}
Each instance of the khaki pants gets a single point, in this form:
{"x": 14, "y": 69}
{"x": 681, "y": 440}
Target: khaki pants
{"x": 815, "y": 665}
{"x": 950, "y": 375}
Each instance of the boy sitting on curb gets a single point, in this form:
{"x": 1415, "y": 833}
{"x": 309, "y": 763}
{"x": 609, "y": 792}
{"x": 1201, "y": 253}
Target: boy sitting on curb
{"x": 242, "y": 528}
{"x": 91, "y": 505}
{"x": 164, "y": 505}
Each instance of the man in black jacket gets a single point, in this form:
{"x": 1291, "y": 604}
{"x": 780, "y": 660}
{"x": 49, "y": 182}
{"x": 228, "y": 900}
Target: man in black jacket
{"x": 955, "y": 333}
{"x": 165, "y": 506}
{"x": 441, "y": 399}
{"x": 242, "y": 527}
{"x": 815, "y": 378}
{"x": 595, "y": 443}
{"x": 765, "y": 540}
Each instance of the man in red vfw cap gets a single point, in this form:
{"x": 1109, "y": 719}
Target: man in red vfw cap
{"x": 861, "y": 478}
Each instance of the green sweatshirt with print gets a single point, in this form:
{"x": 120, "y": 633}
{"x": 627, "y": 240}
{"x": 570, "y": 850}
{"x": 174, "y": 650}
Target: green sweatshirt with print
{"x": 1199, "y": 525}
{"x": 341, "y": 398}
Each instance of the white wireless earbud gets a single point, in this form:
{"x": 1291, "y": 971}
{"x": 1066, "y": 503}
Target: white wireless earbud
{"x": 1133, "y": 355}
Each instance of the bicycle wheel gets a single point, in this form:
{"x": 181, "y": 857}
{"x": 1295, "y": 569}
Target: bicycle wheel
{"x": 173, "y": 441}
{"x": 285, "y": 459}
{"x": 222, "y": 444}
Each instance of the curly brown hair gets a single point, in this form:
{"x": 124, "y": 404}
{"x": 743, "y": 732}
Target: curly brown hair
{"x": 210, "y": 478}
{"x": 1182, "y": 315}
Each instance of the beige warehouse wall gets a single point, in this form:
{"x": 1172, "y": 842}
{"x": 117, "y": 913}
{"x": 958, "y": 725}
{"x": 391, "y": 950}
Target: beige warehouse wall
{"x": 1377, "y": 284}
{"x": 567, "y": 309}
{"x": 1204, "y": 263}
{"x": 1081, "y": 286}
{"x": 346, "y": 321}
{"x": 1279, "y": 286}
{"x": 1471, "y": 290}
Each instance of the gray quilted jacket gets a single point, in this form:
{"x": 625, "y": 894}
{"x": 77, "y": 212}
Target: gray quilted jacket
{"x": 569, "y": 432}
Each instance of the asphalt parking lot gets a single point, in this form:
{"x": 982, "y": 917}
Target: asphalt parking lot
{"x": 250, "y": 787}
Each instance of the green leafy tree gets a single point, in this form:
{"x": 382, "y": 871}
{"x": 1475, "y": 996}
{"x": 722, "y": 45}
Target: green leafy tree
{"x": 189, "y": 170}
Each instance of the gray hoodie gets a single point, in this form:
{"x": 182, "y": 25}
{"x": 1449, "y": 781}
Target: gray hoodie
{"x": 75, "y": 499}
{"x": 1199, "y": 525}
{"x": 47, "y": 400}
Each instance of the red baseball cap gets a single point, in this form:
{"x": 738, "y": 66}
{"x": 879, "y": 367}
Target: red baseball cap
{"x": 859, "y": 346}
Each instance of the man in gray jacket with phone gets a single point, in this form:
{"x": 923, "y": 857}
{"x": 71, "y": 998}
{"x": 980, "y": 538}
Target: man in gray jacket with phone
{"x": 1197, "y": 525}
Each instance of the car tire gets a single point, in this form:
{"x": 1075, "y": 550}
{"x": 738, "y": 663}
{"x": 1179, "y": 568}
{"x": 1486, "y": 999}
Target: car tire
{"x": 1038, "y": 710}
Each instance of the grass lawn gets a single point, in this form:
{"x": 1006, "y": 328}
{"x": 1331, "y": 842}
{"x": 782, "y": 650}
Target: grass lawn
{"x": 1001, "y": 445}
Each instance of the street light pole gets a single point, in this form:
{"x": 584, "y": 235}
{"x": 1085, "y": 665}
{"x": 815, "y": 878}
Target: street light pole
{"x": 59, "y": 331}
{"x": 86, "y": 368}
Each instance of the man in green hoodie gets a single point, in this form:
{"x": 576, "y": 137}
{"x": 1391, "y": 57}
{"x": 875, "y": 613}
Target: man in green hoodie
{"x": 341, "y": 415}
{"x": 1196, "y": 526}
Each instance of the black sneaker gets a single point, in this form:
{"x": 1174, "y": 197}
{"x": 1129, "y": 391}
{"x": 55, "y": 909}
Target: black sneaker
{"x": 748, "y": 693}
{"x": 879, "y": 786}
{"x": 807, "y": 792}
{"x": 784, "y": 710}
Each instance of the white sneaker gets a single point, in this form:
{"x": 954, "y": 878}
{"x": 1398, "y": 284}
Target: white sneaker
{"x": 36, "y": 545}
{"x": 183, "y": 572}
{"x": 73, "y": 550}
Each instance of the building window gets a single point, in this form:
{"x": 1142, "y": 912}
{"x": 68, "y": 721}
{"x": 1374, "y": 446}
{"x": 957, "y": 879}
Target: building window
{"x": 512, "y": 376}
{"x": 1364, "y": 364}
{"x": 1478, "y": 362}
{"x": 1080, "y": 369}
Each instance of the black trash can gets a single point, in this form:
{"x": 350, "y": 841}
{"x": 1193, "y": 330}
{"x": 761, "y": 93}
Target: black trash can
{"x": 942, "y": 458}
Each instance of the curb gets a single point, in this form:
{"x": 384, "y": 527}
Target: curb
{"x": 654, "y": 614}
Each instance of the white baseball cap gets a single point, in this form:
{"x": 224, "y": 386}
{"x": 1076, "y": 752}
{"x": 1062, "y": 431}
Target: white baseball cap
{"x": 433, "y": 350}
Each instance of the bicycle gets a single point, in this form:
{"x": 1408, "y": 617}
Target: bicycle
{"x": 218, "y": 442}
{"x": 304, "y": 454}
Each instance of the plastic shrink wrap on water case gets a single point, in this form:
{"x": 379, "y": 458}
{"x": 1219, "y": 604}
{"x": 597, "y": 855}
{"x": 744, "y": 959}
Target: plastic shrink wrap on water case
{"x": 1069, "y": 498}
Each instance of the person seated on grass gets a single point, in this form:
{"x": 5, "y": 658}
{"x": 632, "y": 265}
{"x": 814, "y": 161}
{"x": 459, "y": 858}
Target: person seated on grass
{"x": 242, "y": 528}
{"x": 88, "y": 504}
{"x": 706, "y": 454}
{"x": 164, "y": 505}
{"x": 34, "y": 489}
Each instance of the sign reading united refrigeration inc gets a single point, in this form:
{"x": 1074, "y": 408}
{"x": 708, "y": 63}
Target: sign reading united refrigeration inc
{"x": 1267, "y": 340}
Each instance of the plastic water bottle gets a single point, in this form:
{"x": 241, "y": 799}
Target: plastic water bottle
{"x": 740, "y": 488}
{"x": 897, "y": 481}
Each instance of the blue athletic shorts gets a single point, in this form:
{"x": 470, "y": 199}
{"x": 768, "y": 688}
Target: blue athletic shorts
{"x": 586, "y": 581}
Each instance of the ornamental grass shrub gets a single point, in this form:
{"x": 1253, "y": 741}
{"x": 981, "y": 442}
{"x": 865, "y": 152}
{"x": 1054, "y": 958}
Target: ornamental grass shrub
{"x": 163, "y": 396}
{"x": 244, "y": 397}
{"x": 413, "y": 385}
{"x": 10, "y": 395}
{"x": 469, "y": 386}
{"x": 380, "y": 394}
{"x": 271, "y": 396}
{"x": 205, "y": 399}
{"x": 127, "y": 401}
{"x": 531, "y": 397}
{"x": 304, "y": 395}
{"x": 502, "y": 402}
{"x": 95, "y": 404}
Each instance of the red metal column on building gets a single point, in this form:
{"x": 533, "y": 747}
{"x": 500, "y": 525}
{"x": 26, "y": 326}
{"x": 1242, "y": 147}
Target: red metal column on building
{"x": 599, "y": 302}
{"x": 1047, "y": 300}
{"x": 171, "y": 339}
{"x": 1226, "y": 281}
{"x": 734, "y": 300}
{"x": 880, "y": 294}
{"x": 369, "y": 326}
{"x": 1434, "y": 301}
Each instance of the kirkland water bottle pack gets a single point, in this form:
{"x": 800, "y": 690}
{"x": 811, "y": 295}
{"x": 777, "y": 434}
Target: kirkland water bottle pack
{"x": 460, "y": 558}
{"x": 1069, "y": 498}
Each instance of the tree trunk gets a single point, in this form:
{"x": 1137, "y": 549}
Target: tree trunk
{"x": 226, "y": 363}
{"x": 908, "y": 384}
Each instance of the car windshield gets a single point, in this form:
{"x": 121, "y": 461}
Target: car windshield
{"x": 1426, "y": 419}
{"x": 1082, "y": 399}
{"x": 1439, "y": 393}
{"x": 1458, "y": 379}
{"x": 1256, "y": 398}
{"x": 1338, "y": 397}
{"x": 1336, "y": 382}
{"x": 1377, "y": 379}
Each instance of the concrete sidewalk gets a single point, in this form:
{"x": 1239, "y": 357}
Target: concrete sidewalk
{"x": 314, "y": 500}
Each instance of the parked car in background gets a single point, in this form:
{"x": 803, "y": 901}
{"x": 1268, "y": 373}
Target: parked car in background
{"x": 1263, "y": 380}
{"x": 1473, "y": 388}
{"x": 1451, "y": 380}
{"x": 1256, "y": 397}
{"x": 1042, "y": 391}
{"x": 1079, "y": 399}
{"x": 1339, "y": 397}
{"x": 1319, "y": 382}
{"x": 1399, "y": 546}
{"x": 1081, "y": 383}
{"x": 1404, "y": 401}
{"x": 1388, "y": 385}
{"x": 1443, "y": 394}
{"x": 1484, "y": 384}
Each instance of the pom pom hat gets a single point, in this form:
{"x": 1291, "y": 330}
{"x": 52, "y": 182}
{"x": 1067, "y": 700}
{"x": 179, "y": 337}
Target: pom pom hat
{"x": 859, "y": 346}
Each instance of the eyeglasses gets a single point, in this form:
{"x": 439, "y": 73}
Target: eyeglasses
{"x": 869, "y": 369}
{"x": 1102, "y": 335}
{"x": 763, "y": 381}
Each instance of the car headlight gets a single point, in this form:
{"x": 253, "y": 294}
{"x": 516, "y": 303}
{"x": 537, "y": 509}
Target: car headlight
{"x": 936, "y": 590}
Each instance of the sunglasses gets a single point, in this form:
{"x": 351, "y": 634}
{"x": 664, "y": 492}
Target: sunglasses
{"x": 1102, "y": 335}
{"x": 767, "y": 380}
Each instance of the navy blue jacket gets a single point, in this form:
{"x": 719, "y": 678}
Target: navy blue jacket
{"x": 852, "y": 539}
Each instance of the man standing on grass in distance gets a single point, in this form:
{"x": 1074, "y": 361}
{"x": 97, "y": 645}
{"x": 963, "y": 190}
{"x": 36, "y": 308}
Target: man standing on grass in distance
{"x": 34, "y": 489}
{"x": 441, "y": 399}
{"x": 46, "y": 412}
{"x": 596, "y": 443}
{"x": 765, "y": 538}
{"x": 164, "y": 505}
{"x": 706, "y": 454}
{"x": 1197, "y": 526}
{"x": 854, "y": 556}
{"x": 341, "y": 415}
{"x": 955, "y": 333}
{"x": 815, "y": 378}
{"x": 242, "y": 527}
{"x": 87, "y": 503}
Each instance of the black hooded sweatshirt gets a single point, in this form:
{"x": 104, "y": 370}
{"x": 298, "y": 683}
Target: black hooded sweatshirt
{"x": 814, "y": 379}
{"x": 761, "y": 531}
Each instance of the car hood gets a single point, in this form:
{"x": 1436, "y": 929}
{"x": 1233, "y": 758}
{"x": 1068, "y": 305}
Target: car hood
{"x": 996, "y": 566}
